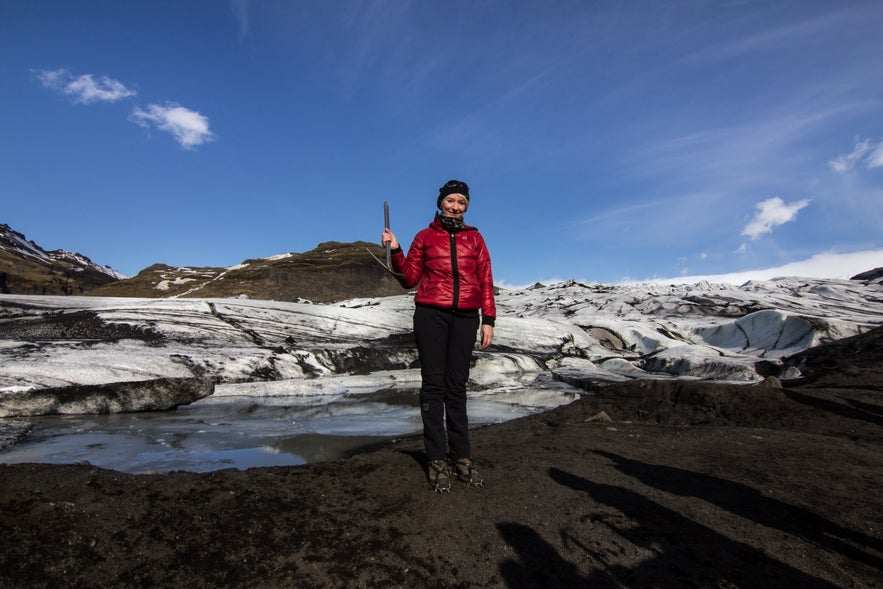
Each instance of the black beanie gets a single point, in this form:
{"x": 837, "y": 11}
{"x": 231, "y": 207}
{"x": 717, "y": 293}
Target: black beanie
{"x": 452, "y": 187}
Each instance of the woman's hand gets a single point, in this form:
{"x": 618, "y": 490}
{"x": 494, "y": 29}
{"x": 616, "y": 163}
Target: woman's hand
{"x": 389, "y": 238}
{"x": 487, "y": 336}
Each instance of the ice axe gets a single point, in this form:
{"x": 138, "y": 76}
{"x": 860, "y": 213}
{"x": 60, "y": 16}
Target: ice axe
{"x": 386, "y": 226}
{"x": 388, "y": 265}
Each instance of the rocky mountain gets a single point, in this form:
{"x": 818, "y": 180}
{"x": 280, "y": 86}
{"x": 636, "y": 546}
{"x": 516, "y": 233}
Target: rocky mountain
{"x": 26, "y": 268}
{"x": 875, "y": 274}
{"x": 332, "y": 271}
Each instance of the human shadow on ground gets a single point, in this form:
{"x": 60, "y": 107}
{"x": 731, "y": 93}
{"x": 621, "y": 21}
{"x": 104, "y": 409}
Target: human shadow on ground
{"x": 419, "y": 456}
{"x": 751, "y": 504}
{"x": 686, "y": 553}
{"x": 863, "y": 413}
{"x": 862, "y": 406}
{"x": 539, "y": 565}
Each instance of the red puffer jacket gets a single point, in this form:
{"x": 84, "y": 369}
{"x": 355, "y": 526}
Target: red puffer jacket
{"x": 453, "y": 270}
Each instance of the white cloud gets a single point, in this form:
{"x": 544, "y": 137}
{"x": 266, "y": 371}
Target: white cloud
{"x": 824, "y": 265}
{"x": 188, "y": 127}
{"x": 863, "y": 153}
{"x": 875, "y": 159}
{"x": 771, "y": 213}
{"x": 84, "y": 89}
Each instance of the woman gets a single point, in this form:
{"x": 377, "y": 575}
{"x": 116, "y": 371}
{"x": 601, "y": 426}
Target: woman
{"x": 450, "y": 265}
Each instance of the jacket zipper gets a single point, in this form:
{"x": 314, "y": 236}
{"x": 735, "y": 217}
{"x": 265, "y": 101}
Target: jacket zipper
{"x": 456, "y": 272}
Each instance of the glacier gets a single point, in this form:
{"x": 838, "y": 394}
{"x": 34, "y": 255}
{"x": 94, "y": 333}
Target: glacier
{"x": 314, "y": 379}
{"x": 262, "y": 348}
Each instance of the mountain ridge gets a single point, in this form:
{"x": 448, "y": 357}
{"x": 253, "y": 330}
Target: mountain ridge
{"x": 332, "y": 271}
{"x": 27, "y": 268}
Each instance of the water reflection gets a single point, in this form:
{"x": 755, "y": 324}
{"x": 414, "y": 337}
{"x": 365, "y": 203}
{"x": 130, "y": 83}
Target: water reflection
{"x": 245, "y": 432}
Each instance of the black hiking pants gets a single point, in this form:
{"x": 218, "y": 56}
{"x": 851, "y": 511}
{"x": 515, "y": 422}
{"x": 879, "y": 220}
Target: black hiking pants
{"x": 445, "y": 340}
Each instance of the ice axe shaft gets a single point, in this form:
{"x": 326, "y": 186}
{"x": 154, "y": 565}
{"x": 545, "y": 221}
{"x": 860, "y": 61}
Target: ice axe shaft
{"x": 386, "y": 226}
{"x": 388, "y": 265}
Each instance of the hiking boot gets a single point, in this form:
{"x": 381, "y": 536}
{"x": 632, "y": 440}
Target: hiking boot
{"x": 466, "y": 472}
{"x": 439, "y": 476}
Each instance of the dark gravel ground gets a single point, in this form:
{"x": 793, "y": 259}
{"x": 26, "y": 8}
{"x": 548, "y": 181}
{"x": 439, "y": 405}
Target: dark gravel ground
{"x": 689, "y": 484}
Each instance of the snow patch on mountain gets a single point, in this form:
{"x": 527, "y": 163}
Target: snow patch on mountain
{"x": 17, "y": 243}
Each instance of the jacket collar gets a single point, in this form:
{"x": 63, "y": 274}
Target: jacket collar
{"x": 437, "y": 225}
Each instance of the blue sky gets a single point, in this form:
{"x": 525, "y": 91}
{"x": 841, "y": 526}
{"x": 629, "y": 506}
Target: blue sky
{"x": 602, "y": 140}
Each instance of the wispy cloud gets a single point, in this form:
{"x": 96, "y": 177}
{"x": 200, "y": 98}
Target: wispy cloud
{"x": 771, "y": 213}
{"x": 772, "y": 36}
{"x": 188, "y": 127}
{"x": 753, "y": 152}
{"x": 863, "y": 153}
{"x": 240, "y": 13}
{"x": 84, "y": 89}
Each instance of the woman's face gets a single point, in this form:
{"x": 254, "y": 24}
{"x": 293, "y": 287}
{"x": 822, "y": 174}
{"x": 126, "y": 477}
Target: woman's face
{"x": 454, "y": 205}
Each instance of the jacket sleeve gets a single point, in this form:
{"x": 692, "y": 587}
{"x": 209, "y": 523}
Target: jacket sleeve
{"x": 411, "y": 266}
{"x": 486, "y": 279}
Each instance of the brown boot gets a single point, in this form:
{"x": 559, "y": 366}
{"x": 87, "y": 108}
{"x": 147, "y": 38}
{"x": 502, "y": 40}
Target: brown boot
{"x": 465, "y": 470}
{"x": 439, "y": 476}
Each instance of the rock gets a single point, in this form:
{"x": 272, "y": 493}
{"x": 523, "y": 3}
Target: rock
{"x": 870, "y": 275}
{"x": 118, "y": 397}
{"x": 770, "y": 382}
{"x": 12, "y": 431}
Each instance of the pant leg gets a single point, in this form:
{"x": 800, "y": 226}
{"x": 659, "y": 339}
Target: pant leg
{"x": 431, "y": 329}
{"x": 461, "y": 343}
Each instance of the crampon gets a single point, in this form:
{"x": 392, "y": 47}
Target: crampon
{"x": 439, "y": 476}
{"x": 467, "y": 473}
